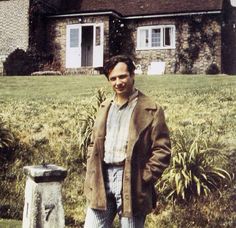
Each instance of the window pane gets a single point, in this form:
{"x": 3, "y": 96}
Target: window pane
{"x": 167, "y": 36}
{"x": 143, "y": 38}
{"x": 98, "y": 35}
{"x": 156, "y": 37}
{"x": 74, "y": 38}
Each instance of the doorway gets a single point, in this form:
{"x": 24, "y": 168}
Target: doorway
{"x": 87, "y": 46}
{"x": 84, "y": 45}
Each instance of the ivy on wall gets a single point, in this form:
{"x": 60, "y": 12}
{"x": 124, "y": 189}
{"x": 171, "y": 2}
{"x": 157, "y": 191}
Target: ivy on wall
{"x": 200, "y": 32}
{"x": 120, "y": 38}
{"x": 38, "y": 41}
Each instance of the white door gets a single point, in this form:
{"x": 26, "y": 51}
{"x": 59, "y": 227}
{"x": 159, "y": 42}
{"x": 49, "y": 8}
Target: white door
{"x": 98, "y": 45}
{"x": 73, "y": 46}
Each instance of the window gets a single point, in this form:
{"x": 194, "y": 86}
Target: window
{"x": 74, "y": 38}
{"x": 156, "y": 37}
{"x": 143, "y": 38}
{"x": 98, "y": 35}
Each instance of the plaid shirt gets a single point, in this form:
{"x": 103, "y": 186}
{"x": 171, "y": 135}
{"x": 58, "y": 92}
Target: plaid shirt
{"x": 117, "y": 129}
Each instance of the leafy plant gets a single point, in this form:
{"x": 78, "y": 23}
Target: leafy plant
{"x": 194, "y": 169}
{"x": 87, "y": 123}
{"x": 6, "y": 140}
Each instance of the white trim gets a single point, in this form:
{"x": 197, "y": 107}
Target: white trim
{"x": 85, "y": 14}
{"x": 161, "y": 27}
{"x": 135, "y": 17}
{"x": 172, "y": 14}
{"x": 98, "y": 50}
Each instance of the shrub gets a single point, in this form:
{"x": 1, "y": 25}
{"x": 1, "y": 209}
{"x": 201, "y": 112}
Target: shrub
{"x": 194, "y": 169}
{"x": 13, "y": 156}
{"x": 6, "y": 141}
{"x": 20, "y": 62}
{"x": 213, "y": 69}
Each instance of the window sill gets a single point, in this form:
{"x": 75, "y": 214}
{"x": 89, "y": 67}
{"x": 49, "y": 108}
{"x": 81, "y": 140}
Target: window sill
{"x": 157, "y": 48}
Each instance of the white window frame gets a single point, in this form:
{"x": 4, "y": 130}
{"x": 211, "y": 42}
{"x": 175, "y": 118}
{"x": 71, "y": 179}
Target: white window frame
{"x": 149, "y": 29}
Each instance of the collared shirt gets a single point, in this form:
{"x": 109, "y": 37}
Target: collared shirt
{"x": 117, "y": 129}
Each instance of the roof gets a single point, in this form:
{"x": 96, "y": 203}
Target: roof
{"x": 140, "y": 7}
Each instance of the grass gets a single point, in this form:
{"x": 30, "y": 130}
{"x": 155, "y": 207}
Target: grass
{"x": 72, "y": 86}
{"x": 10, "y": 224}
{"x": 58, "y": 88}
{"x": 44, "y": 113}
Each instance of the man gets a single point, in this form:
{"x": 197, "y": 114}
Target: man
{"x": 130, "y": 150}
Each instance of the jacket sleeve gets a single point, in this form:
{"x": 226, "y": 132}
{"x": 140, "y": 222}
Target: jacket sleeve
{"x": 160, "y": 149}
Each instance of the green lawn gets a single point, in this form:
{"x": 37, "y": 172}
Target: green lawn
{"x": 10, "y": 224}
{"x": 67, "y": 87}
{"x": 44, "y": 113}
{"x": 193, "y": 98}
{"x": 49, "y": 87}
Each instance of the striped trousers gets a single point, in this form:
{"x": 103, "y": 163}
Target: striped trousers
{"x": 104, "y": 219}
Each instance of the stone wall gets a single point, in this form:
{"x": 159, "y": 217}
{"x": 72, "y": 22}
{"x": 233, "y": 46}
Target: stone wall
{"x": 14, "y": 29}
{"x": 145, "y": 57}
{"x": 210, "y": 52}
{"x": 57, "y": 40}
{"x": 178, "y": 59}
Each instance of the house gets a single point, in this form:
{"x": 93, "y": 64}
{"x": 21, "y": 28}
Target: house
{"x": 17, "y": 27}
{"x": 188, "y": 36}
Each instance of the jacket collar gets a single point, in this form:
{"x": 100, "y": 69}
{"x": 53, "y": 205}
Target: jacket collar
{"x": 140, "y": 119}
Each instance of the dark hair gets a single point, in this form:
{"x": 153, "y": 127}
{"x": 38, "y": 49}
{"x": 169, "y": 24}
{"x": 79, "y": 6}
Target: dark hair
{"x": 113, "y": 61}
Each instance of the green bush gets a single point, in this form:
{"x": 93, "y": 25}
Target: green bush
{"x": 194, "y": 170}
{"x": 6, "y": 142}
{"x": 20, "y": 62}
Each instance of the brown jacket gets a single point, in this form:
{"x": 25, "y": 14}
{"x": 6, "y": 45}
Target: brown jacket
{"x": 148, "y": 154}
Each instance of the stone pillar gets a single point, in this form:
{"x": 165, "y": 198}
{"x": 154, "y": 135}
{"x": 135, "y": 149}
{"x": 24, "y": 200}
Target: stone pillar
{"x": 43, "y": 202}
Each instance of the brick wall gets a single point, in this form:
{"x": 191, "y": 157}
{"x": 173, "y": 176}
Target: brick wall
{"x": 14, "y": 30}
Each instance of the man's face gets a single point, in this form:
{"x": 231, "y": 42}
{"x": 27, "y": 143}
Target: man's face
{"x": 121, "y": 80}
